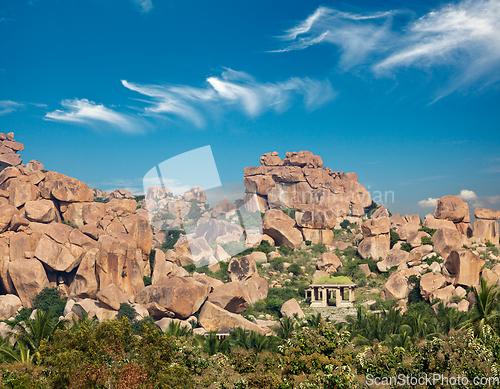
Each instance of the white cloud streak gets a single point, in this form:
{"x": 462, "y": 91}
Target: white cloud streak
{"x": 8, "y": 106}
{"x": 464, "y": 36}
{"x": 145, "y": 5}
{"x": 429, "y": 203}
{"x": 233, "y": 90}
{"x": 87, "y": 112}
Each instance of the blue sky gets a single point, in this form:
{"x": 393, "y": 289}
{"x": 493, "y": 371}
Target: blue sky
{"x": 405, "y": 94}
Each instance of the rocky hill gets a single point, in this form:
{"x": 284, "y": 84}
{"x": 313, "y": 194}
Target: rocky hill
{"x": 178, "y": 258}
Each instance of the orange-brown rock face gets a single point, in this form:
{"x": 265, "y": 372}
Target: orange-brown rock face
{"x": 301, "y": 182}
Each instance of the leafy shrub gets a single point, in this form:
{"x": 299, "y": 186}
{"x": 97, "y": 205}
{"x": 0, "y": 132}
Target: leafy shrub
{"x": 190, "y": 268}
{"x": 277, "y": 263}
{"x": 489, "y": 244}
{"x": 345, "y": 224}
{"x": 307, "y": 242}
{"x": 50, "y": 301}
{"x": 319, "y": 248}
{"x": 289, "y": 212}
{"x": 128, "y": 311}
{"x": 147, "y": 280}
{"x": 284, "y": 250}
{"x": 434, "y": 258}
{"x": 394, "y": 238}
{"x": 70, "y": 223}
{"x": 430, "y": 231}
{"x": 426, "y": 240}
{"x": 406, "y": 246}
{"x": 195, "y": 211}
{"x": 264, "y": 247}
{"x": 171, "y": 238}
{"x": 295, "y": 269}
{"x": 101, "y": 200}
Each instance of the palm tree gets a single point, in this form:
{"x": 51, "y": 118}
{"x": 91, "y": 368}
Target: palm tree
{"x": 212, "y": 345}
{"x": 485, "y": 313}
{"x": 18, "y": 352}
{"x": 30, "y": 333}
{"x": 286, "y": 326}
{"x": 450, "y": 319}
{"x": 175, "y": 329}
{"x": 313, "y": 320}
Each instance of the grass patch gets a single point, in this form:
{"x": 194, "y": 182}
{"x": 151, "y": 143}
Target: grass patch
{"x": 333, "y": 280}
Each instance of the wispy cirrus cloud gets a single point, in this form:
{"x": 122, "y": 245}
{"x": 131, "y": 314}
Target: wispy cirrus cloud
{"x": 87, "y": 112}
{"x": 463, "y": 37}
{"x": 232, "y": 90}
{"x": 144, "y": 5}
{"x": 8, "y": 106}
{"x": 357, "y": 36}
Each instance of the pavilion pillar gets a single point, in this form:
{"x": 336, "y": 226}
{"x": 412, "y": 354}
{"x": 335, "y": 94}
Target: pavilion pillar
{"x": 324, "y": 295}
{"x": 351, "y": 295}
{"x": 338, "y": 297}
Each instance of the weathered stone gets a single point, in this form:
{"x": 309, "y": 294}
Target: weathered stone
{"x": 86, "y": 307}
{"x": 204, "y": 279}
{"x": 242, "y": 268}
{"x": 213, "y": 317}
{"x": 180, "y": 295}
{"x": 231, "y": 297}
{"x": 490, "y": 277}
{"x": 21, "y": 190}
{"x": 71, "y": 190}
{"x": 255, "y": 287}
{"x": 9, "y": 305}
{"x": 121, "y": 207}
{"x": 283, "y": 232}
{"x": 259, "y": 257}
{"x": 111, "y": 296}
{"x": 319, "y": 274}
{"x": 415, "y": 240}
{"x": 488, "y": 214}
{"x": 394, "y": 257}
{"x": 29, "y": 278}
{"x": 313, "y": 216}
{"x": 486, "y": 230}
{"x": 445, "y": 240}
{"x": 328, "y": 262}
{"x": 443, "y": 294}
{"x": 464, "y": 267}
{"x": 375, "y": 247}
{"x": 375, "y": 227}
{"x": 139, "y": 228}
{"x": 42, "y": 211}
{"x": 431, "y": 222}
{"x": 84, "y": 284}
{"x": 292, "y": 308}
{"x": 396, "y": 286}
{"x": 452, "y": 208}
{"x": 318, "y": 236}
{"x": 431, "y": 282}
{"x": 6, "y": 214}
{"x": 212, "y": 229}
{"x": 117, "y": 264}
{"x": 56, "y": 256}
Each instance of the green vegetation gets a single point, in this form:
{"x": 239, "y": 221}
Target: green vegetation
{"x": 426, "y": 240}
{"x": 70, "y": 223}
{"x": 430, "y": 231}
{"x": 394, "y": 238}
{"x": 100, "y": 200}
{"x": 128, "y": 311}
{"x": 50, "y": 301}
{"x": 171, "y": 238}
{"x": 405, "y": 246}
{"x": 333, "y": 280}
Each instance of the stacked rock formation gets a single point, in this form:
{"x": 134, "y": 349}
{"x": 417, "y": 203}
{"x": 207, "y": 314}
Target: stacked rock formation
{"x": 485, "y": 225}
{"x": 8, "y": 150}
{"x": 452, "y": 212}
{"x": 320, "y": 197}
